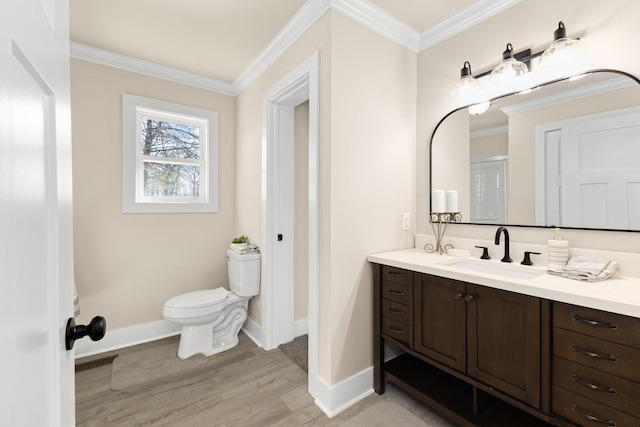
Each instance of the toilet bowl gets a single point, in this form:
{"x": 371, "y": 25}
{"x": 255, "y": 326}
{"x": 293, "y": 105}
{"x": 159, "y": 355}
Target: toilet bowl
{"x": 211, "y": 319}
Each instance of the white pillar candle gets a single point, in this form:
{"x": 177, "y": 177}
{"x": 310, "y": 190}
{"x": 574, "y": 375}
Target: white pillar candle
{"x": 452, "y": 201}
{"x": 437, "y": 201}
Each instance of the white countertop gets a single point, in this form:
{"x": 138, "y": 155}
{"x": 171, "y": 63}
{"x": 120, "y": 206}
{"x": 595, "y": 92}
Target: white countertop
{"x": 618, "y": 295}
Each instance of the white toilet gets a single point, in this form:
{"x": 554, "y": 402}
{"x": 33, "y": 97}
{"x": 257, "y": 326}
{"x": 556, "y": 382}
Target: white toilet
{"x": 212, "y": 318}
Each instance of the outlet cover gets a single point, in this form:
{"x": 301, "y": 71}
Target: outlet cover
{"x": 406, "y": 221}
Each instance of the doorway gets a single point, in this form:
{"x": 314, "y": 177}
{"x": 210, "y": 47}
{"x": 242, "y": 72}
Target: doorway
{"x": 278, "y": 195}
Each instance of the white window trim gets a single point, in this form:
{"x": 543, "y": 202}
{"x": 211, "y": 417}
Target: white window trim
{"x": 132, "y": 202}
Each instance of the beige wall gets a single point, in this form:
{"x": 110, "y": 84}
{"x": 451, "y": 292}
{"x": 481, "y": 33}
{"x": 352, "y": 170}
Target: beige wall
{"x": 610, "y": 32}
{"x": 373, "y": 98}
{"x": 249, "y": 153}
{"x": 127, "y": 266}
{"x": 367, "y": 143}
{"x": 301, "y": 213}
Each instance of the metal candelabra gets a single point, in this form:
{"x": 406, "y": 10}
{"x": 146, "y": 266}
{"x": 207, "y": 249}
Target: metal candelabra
{"x": 439, "y": 222}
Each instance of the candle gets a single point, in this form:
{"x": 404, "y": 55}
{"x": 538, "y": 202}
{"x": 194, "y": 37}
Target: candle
{"x": 452, "y": 201}
{"x": 437, "y": 201}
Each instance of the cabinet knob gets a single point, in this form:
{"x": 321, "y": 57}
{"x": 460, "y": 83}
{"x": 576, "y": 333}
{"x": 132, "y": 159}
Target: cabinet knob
{"x": 458, "y": 296}
{"x": 468, "y": 298}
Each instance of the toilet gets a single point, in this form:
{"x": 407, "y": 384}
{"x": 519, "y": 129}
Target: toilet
{"x": 212, "y": 318}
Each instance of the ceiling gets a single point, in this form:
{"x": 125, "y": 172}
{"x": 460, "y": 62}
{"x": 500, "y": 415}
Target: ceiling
{"x": 217, "y": 39}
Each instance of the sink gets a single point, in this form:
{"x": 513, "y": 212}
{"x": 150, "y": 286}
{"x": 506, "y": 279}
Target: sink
{"x": 497, "y": 269}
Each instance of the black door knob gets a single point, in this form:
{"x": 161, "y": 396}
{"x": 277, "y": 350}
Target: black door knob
{"x": 95, "y": 329}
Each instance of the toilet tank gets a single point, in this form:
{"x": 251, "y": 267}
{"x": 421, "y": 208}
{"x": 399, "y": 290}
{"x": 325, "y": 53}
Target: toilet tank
{"x": 244, "y": 273}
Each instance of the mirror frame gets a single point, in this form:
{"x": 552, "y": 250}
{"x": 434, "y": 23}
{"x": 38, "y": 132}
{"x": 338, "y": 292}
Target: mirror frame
{"x": 598, "y": 70}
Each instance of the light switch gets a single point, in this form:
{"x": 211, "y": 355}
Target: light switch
{"x": 406, "y": 220}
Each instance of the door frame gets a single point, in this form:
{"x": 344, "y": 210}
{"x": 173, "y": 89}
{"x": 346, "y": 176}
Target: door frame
{"x": 279, "y": 101}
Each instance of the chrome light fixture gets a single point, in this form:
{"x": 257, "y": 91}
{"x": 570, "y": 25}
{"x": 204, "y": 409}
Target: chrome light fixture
{"x": 563, "y": 50}
{"x": 467, "y": 84}
{"x": 509, "y": 67}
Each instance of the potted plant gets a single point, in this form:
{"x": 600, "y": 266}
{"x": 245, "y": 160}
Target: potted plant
{"x": 239, "y": 242}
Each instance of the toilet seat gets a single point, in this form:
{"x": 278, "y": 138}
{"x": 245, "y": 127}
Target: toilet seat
{"x": 196, "y": 303}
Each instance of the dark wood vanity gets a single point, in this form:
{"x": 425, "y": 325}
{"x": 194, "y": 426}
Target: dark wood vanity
{"x": 489, "y": 357}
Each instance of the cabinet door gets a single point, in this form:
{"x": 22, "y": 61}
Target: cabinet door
{"x": 440, "y": 320}
{"x": 504, "y": 341}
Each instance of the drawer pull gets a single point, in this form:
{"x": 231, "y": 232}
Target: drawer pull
{"x": 394, "y": 311}
{"x": 609, "y": 325}
{"x": 394, "y": 274}
{"x": 396, "y": 331}
{"x": 610, "y": 358}
{"x": 579, "y": 380}
{"x": 577, "y": 410}
{"x": 397, "y": 293}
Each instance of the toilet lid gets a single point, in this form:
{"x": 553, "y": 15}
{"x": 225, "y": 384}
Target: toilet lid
{"x": 198, "y": 298}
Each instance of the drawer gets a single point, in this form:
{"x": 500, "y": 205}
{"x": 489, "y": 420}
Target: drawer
{"x": 601, "y": 324}
{"x": 397, "y": 275}
{"x": 396, "y": 311}
{"x": 397, "y": 292}
{"x": 597, "y": 385}
{"x": 588, "y": 413}
{"x": 398, "y": 331}
{"x": 599, "y": 354}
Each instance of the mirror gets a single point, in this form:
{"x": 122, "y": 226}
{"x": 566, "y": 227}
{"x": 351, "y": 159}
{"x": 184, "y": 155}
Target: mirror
{"x": 564, "y": 154}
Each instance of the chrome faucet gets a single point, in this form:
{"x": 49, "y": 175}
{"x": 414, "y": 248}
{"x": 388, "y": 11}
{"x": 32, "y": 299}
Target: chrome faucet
{"x": 506, "y": 257}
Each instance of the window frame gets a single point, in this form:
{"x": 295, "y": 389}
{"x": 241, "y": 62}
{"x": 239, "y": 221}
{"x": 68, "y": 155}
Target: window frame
{"x": 134, "y": 108}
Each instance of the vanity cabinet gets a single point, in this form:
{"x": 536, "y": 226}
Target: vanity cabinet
{"x": 468, "y": 348}
{"x": 595, "y": 367}
{"x": 488, "y": 334}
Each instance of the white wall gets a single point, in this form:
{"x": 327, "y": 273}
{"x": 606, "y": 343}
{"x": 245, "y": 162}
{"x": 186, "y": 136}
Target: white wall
{"x": 609, "y": 30}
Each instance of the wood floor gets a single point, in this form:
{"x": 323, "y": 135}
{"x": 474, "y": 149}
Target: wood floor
{"x": 244, "y": 386}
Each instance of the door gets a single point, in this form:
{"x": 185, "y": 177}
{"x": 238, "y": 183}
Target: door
{"x": 36, "y": 295}
{"x": 600, "y": 172}
{"x": 503, "y": 333}
{"x": 588, "y": 174}
{"x": 440, "y": 329}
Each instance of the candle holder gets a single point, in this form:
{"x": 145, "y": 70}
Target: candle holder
{"x": 441, "y": 220}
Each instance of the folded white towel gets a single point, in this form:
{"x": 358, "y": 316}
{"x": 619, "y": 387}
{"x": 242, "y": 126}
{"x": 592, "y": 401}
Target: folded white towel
{"x": 248, "y": 249}
{"x": 587, "y": 268}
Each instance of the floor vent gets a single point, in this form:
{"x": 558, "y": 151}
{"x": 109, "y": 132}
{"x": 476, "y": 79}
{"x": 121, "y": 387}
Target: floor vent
{"x": 92, "y": 364}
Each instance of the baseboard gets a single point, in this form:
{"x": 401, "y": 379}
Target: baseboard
{"x": 126, "y": 337}
{"x": 334, "y": 399}
{"x": 138, "y": 334}
{"x": 253, "y": 331}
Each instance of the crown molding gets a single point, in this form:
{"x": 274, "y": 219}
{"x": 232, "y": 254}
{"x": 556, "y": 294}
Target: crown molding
{"x": 361, "y": 11}
{"x": 469, "y": 16}
{"x": 308, "y": 15}
{"x": 569, "y": 95}
{"x": 380, "y": 21}
{"x": 128, "y": 63}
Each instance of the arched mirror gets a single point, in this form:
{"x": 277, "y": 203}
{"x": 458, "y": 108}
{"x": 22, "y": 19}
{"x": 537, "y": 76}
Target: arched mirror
{"x": 565, "y": 154}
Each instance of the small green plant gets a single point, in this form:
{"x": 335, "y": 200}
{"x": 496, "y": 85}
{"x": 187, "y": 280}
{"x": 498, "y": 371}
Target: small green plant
{"x": 241, "y": 239}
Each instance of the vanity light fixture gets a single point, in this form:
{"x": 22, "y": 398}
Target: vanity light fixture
{"x": 563, "y": 50}
{"x": 467, "y": 84}
{"x": 509, "y": 68}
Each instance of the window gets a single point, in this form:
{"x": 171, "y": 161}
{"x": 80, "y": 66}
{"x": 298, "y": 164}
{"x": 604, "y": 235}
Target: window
{"x": 170, "y": 155}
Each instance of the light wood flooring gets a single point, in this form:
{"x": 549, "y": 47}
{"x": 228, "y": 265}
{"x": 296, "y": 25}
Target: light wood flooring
{"x": 244, "y": 386}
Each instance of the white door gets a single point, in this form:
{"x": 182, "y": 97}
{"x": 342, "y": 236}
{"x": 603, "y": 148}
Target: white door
{"x": 601, "y": 173}
{"x": 36, "y": 295}
{"x": 591, "y": 172}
